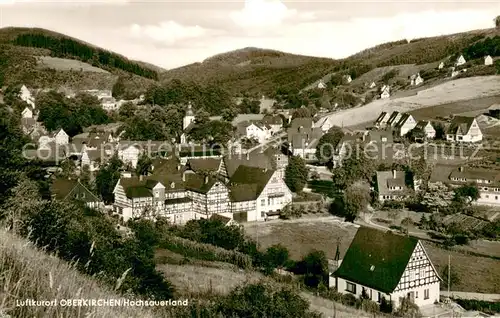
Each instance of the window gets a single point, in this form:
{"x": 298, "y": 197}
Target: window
{"x": 350, "y": 287}
{"x": 379, "y": 297}
{"x": 412, "y": 274}
{"x": 426, "y": 294}
{"x": 263, "y": 202}
{"x": 422, "y": 273}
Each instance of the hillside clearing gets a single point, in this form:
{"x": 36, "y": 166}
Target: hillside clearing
{"x": 198, "y": 280}
{"x": 477, "y": 274}
{"x": 61, "y": 64}
{"x": 449, "y": 92}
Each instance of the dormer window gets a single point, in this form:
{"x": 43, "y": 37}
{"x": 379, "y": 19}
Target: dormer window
{"x": 172, "y": 185}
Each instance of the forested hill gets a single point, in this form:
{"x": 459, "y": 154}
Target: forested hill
{"x": 66, "y": 47}
{"x": 41, "y": 58}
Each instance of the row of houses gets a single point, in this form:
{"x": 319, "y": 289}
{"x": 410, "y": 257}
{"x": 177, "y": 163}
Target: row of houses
{"x": 460, "y": 129}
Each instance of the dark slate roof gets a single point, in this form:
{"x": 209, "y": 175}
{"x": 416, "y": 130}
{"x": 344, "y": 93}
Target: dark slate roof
{"x": 254, "y": 159}
{"x": 307, "y": 123}
{"x": 377, "y": 259}
{"x": 385, "y": 179}
{"x": 272, "y": 120}
{"x": 403, "y": 120}
{"x": 252, "y": 176}
{"x": 377, "y": 135}
{"x": 243, "y": 192}
{"x": 165, "y": 166}
{"x": 460, "y": 125}
{"x": 204, "y": 164}
{"x": 393, "y": 118}
{"x": 381, "y": 117}
{"x": 199, "y": 183}
{"x": 67, "y": 188}
{"x": 222, "y": 218}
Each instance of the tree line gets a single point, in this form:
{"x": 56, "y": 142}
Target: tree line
{"x": 488, "y": 46}
{"x": 64, "y": 47}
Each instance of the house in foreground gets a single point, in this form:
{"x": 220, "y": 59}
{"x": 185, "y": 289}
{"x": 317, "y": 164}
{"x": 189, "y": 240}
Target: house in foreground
{"x": 387, "y": 265}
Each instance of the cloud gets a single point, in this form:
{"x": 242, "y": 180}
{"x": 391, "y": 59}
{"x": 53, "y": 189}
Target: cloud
{"x": 168, "y": 32}
{"x": 265, "y": 13}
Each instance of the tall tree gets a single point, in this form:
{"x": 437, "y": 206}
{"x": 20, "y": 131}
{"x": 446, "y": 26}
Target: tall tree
{"x": 328, "y": 143}
{"x": 296, "y": 173}
{"x": 144, "y": 165}
{"x": 356, "y": 199}
{"x": 107, "y": 177}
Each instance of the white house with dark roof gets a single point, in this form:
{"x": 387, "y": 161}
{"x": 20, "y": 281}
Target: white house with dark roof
{"x": 321, "y": 84}
{"x": 488, "y": 60}
{"x": 487, "y": 181}
{"x": 392, "y": 185}
{"x": 464, "y": 129}
{"x": 382, "y": 119}
{"x": 394, "y": 118}
{"x": 405, "y": 124}
{"x": 348, "y": 78}
{"x": 381, "y": 264}
{"x": 257, "y": 194}
{"x": 373, "y": 85}
{"x": 273, "y": 121}
{"x": 426, "y": 128}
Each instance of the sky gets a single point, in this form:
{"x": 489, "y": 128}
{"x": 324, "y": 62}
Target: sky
{"x": 171, "y": 33}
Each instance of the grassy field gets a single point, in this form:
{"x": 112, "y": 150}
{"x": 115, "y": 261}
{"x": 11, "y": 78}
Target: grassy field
{"x": 61, "y": 64}
{"x": 199, "y": 280}
{"x": 477, "y": 274}
{"x": 459, "y": 107}
{"x": 27, "y": 273}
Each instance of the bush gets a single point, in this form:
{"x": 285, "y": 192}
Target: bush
{"x": 490, "y": 308}
{"x": 205, "y": 251}
{"x": 349, "y": 300}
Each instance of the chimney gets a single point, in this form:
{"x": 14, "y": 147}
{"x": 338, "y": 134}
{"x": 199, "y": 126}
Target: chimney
{"x": 394, "y": 174}
{"x": 184, "y": 176}
{"x": 461, "y": 169}
{"x": 206, "y": 179}
{"x": 248, "y": 156}
{"x": 178, "y": 167}
{"x": 141, "y": 177}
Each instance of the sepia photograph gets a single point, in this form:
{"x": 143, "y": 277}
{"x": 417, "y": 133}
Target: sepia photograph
{"x": 249, "y": 158}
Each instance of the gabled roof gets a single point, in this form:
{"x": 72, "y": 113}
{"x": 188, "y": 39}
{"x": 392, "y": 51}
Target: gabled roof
{"x": 381, "y": 117}
{"x": 243, "y": 192}
{"x": 224, "y": 219}
{"x": 473, "y": 174}
{"x": 394, "y": 116}
{"x": 199, "y": 183}
{"x": 64, "y": 189}
{"x": 254, "y": 159}
{"x": 272, "y": 120}
{"x": 402, "y": 120}
{"x": 421, "y": 124}
{"x": 379, "y": 135}
{"x": 252, "y": 176}
{"x": 377, "y": 259}
{"x": 385, "y": 179}
{"x": 460, "y": 125}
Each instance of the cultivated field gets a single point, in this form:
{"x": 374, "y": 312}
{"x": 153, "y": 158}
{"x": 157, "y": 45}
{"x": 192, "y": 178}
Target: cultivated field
{"x": 475, "y": 106}
{"x": 61, "y": 64}
{"x": 477, "y": 274}
{"x": 448, "y": 92}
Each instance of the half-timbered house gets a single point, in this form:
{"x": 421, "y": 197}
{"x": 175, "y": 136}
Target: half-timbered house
{"x": 387, "y": 265}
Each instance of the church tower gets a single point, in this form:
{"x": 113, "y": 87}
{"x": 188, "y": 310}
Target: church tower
{"x": 188, "y": 118}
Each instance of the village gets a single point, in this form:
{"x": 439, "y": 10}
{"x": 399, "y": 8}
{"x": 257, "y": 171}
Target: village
{"x": 278, "y": 166}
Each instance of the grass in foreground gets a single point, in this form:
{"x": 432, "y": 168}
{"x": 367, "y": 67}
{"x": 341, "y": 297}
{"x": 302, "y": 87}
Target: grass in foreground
{"x": 28, "y": 273}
